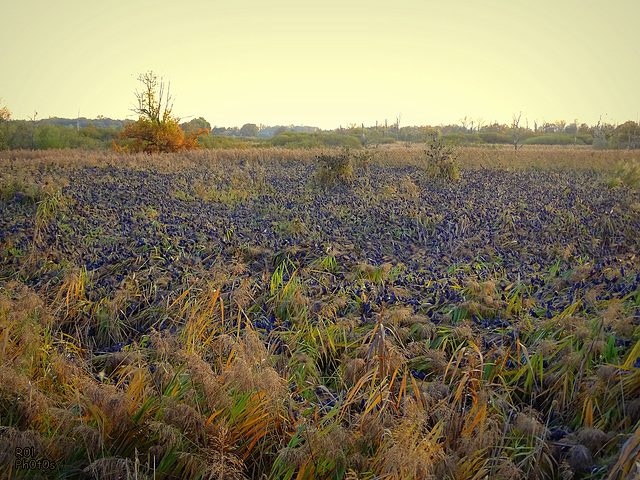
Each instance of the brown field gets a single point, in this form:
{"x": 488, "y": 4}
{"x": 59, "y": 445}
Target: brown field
{"x": 255, "y": 313}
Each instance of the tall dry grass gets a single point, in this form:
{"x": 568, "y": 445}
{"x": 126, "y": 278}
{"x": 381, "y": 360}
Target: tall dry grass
{"x": 538, "y": 156}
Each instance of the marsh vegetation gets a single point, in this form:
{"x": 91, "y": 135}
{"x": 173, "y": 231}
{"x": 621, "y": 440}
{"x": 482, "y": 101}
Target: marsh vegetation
{"x": 278, "y": 313}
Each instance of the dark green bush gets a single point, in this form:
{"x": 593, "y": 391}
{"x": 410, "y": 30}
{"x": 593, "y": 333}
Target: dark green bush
{"x": 495, "y": 137}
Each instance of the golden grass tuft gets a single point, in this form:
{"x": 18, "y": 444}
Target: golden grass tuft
{"x": 61, "y": 447}
{"x": 241, "y": 296}
{"x": 411, "y": 449}
{"x": 12, "y": 438}
{"x": 400, "y": 316}
{"x": 89, "y": 438}
{"x": 528, "y": 424}
{"x": 612, "y": 313}
{"x": 409, "y": 188}
{"x": 223, "y": 465}
{"x": 353, "y": 369}
{"x": 592, "y": 438}
{"x": 507, "y": 470}
{"x": 29, "y": 403}
{"x": 253, "y": 347}
{"x": 186, "y": 418}
{"x": 112, "y": 468}
{"x": 166, "y": 437}
{"x": 488, "y": 287}
{"x": 580, "y": 273}
{"x": 210, "y": 382}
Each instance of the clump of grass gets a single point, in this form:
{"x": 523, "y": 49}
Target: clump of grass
{"x": 184, "y": 196}
{"x": 335, "y": 168}
{"x": 287, "y": 292}
{"x": 10, "y": 187}
{"x": 627, "y": 174}
{"x": 441, "y": 158}
{"x": 374, "y": 274}
{"x": 327, "y": 263}
{"x": 51, "y": 202}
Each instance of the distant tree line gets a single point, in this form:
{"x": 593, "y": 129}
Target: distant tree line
{"x": 602, "y": 135}
{"x": 100, "y": 133}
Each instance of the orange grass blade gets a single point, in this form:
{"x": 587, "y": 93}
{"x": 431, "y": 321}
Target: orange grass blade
{"x": 353, "y": 392}
{"x": 629, "y": 456}
{"x": 184, "y": 294}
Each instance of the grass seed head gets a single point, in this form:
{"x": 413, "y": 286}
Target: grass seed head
{"x": 353, "y": 369}
{"x": 579, "y": 459}
{"x": 528, "y": 424}
{"x": 110, "y": 468}
{"x": 592, "y": 438}
{"x": 187, "y": 419}
{"x": 89, "y": 438}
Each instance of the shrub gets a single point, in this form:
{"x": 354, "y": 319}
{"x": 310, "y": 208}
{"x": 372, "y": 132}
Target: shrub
{"x": 554, "y": 139}
{"x": 462, "y": 139}
{"x": 153, "y": 137}
{"x": 627, "y": 173}
{"x": 157, "y": 129}
{"x": 441, "y": 158}
{"x": 313, "y": 140}
{"x": 495, "y": 137}
{"x": 335, "y": 167}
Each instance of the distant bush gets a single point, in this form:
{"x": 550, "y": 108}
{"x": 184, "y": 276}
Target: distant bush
{"x": 375, "y": 137}
{"x": 53, "y": 136}
{"x": 313, "y": 140}
{"x": 553, "y": 139}
{"x": 157, "y": 129}
{"x": 495, "y": 137}
{"x": 586, "y": 138}
{"x": 460, "y": 139}
{"x": 221, "y": 141}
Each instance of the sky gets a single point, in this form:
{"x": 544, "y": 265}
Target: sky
{"x": 326, "y": 63}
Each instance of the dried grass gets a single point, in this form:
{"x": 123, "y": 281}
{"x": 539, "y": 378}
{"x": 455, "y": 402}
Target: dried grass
{"x": 386, "y": 420}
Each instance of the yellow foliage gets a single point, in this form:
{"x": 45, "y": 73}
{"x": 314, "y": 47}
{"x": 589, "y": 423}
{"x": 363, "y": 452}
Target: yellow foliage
{"x": 157, "y": 129}
{"x": 157, "y": 137}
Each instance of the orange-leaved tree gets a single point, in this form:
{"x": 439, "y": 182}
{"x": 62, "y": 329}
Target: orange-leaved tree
{"x": 156, "y": 129}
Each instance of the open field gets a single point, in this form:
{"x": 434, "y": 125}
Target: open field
{"x": 225, "y": 314}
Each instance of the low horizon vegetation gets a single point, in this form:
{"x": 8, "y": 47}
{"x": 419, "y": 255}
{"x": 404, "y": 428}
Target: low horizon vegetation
{"x": 42, "y": 135}
{"x": 320, "y": 313}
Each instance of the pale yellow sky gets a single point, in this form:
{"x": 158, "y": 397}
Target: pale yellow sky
{"x": 326, "y": 63}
